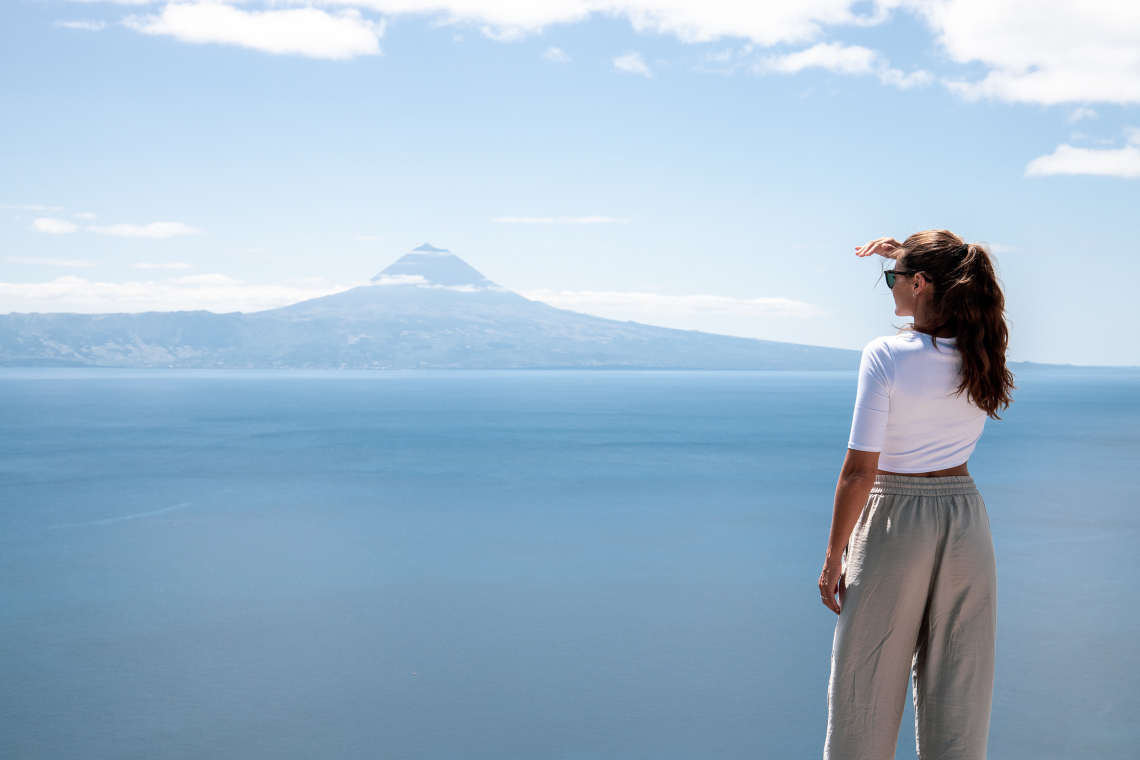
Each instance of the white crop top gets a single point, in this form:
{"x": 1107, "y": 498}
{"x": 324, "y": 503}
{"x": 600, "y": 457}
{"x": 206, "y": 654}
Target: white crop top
{"x": 907, "y": 407}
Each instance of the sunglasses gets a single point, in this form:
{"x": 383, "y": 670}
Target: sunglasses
{"x": 891, "y": 274}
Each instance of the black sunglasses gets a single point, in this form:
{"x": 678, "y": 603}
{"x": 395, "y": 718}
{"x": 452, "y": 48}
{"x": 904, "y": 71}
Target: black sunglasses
{"x": 891, "y": 274}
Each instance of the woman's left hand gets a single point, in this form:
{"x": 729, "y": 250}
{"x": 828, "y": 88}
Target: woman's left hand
{"x": 855, "y": 482}
{"x": 829, "y": 583}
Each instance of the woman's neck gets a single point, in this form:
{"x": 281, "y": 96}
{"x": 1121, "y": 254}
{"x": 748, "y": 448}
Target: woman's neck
{"x": 924, "y": 321}
{"x": 941, "y": 332}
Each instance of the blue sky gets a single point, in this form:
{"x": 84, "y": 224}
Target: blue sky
{"x": 697, "y": 165}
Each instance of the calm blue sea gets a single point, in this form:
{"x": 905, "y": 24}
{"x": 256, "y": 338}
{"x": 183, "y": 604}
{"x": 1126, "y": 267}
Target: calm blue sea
{"x": 500, "y": 565}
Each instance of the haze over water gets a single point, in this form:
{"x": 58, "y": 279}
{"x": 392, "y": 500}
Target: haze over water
{"x": 511, "y": 565}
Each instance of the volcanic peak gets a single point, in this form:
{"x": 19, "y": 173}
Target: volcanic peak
{"x": 429, "y": 266}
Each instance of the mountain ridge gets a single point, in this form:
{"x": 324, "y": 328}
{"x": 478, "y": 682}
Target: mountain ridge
{"x": 427, "y": 310}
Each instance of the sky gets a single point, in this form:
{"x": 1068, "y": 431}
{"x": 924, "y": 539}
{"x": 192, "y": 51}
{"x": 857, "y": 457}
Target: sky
{"x": 705, "y": 166}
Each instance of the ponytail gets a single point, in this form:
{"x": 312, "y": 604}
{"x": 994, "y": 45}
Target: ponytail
{"x": 968, "y": 303}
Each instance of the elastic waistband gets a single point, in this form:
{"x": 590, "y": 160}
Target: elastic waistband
{"x": 910, "y": 486}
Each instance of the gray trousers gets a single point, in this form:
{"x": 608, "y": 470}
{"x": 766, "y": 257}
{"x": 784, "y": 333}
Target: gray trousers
{"x": 918, "y": 595}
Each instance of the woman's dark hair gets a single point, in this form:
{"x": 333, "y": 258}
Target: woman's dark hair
{"x": 969, "y": 304}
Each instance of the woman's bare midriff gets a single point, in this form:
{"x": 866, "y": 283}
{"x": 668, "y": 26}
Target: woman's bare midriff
{"x": 948, "y": 472}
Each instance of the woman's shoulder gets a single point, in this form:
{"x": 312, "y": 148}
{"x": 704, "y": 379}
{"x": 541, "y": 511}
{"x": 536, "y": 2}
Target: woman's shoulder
{"x": 888, "y": 344}
{"x": 891, "y": 351}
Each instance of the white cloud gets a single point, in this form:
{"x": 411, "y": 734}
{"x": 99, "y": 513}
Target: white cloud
{"x": 1113, "y": 162}
{"x": 833, "y": 56}
{"x": 400, "y": 279}
{"x": 904, "y": 81}
{"x": 1038, "y": 51}
{"x": 765, "y": 22}
{"x": 82, "y": 26}
{"x": 161, "y": 265}
{"x": 53, "y": 226}
{"x": 217, "y": 293}
{"x": 206, "y": 279}
{"x": 303, "y": 31}
{"x": 152, "y": 230}
{"x": 608, "y": 303}
{"x": 843, "y": 59}
{"x": 503, "y": 33}
{"x": 29, "y": 207}
{"x": 49, "y": 262}
{"x": 1080, "y": 113}
{"x": 559, "y": 220}
{"x": 632, "y": 63}
{"x": 422, "y": 282}
{"x": 86, "y": 215}
{"x": 724, "y": 61}
{"x": 1042, "y": 51}
{"x": 464, "y": 288}
{"x": 557, "y": 55}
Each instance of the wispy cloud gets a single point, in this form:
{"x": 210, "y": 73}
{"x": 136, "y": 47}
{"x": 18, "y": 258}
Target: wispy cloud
{"x": 560, "y": 220}
{"x": 215, "y": 292}
{"x": 632, "y": 63}
{"x": 53, "y": 226}
{"x": 420, "y": 281}
{"x": 595, "y": 302}
{"x": 206, "y": 279}
{"x": 161, "y": 265}
{"x": 725, "y": 61}
{"x": 852, "y": 60}
{"x": 400, "y": 279}
{"x": 503, "y": 33}
{"x": 29, "y": 207}
{"x": 557, "y": 55}
{"x": 833, "y": 56}
{"x": 152, "y": 230}
{"x": 304, "y": 31}
{"x": 49, "y": 262}
{"x": 1083, "y": 112}
{"x": 1111, "y": 162}
{"x": 82, "y": 26}
{"x": 83, "y": 263}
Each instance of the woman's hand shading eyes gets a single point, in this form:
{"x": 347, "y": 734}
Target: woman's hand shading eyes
{"x": 887, "y": 247}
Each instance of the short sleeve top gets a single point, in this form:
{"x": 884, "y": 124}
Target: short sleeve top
{"x": 907, "y": 406}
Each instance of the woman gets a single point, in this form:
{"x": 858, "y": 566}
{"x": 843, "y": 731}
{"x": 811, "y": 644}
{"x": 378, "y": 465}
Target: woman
{"x": 909, "y": 567}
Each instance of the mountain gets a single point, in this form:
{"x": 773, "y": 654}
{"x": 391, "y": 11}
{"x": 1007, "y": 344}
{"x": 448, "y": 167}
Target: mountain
{"x": 429, "y": 310}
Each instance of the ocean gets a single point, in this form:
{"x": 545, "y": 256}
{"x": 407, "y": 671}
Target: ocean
{"x": 573, "y": 565}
